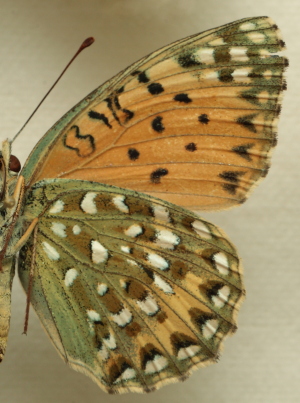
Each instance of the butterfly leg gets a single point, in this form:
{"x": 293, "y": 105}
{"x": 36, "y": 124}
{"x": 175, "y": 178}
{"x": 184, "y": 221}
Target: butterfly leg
{"x": 22, "y": 241}
{"x": 30, "y": 280}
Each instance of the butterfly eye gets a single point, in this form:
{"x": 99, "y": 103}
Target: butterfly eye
{"x": 14, "y": 164}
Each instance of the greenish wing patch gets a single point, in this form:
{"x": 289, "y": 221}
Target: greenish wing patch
{"x": 133, "y": 291}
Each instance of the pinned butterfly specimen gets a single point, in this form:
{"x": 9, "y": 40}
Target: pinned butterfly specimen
{"x": 133, "y": 290}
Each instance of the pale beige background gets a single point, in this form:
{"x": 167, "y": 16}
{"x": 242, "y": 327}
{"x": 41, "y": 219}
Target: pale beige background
{"x": 261, "y": 362}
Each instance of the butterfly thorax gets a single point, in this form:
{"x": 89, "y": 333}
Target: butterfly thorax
{"x": 11, "y": 191}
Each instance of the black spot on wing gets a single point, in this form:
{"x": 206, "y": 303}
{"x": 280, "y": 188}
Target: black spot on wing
{"x": 246, "y": 121}
{"x": 184, "y": 98}
{"x": 230, "y": 188}
{"x": 116, "y": 102}
{"x": 243, "y": 151}
{"x": 188, "y": 60}
{"x": 191, "y": 147}
{"x": 109, "y": 103}
{"x": 133, "y": 154}
{"x": 142, "y": 77}
{"x": 232, "y": 176}
{"x": 99, "y": 116}
{"x": 149, "y": 273}
{"x": 157, "y": 124}
{"x": 158, "y": 174}
{"x": 155, "y": 88}
{"x": 203, "y": 118}
{"x": 129, "y": 114}
{"x": 225, "y": 75}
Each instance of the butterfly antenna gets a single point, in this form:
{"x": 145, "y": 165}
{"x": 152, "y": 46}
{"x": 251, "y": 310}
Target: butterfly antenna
{"x": 88, "y": 42}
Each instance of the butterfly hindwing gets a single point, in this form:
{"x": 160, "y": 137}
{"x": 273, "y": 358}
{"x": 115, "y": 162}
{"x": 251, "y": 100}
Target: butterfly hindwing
{"x": 134, "y": 291}
{"x": 193, "y": 123}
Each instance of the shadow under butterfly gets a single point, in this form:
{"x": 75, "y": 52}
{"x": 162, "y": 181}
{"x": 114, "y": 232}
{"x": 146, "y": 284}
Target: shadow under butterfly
{"x": 133, "y": 290}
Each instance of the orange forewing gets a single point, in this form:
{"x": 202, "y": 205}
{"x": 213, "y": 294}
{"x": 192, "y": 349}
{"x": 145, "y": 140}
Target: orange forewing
{"x": 192, "y": 123}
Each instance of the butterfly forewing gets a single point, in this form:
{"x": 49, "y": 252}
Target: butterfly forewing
{"x": 192, "y": 123}
{"x": 132, "y": 290}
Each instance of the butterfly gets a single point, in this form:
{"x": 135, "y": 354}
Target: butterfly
{"x": 134, "y": 289}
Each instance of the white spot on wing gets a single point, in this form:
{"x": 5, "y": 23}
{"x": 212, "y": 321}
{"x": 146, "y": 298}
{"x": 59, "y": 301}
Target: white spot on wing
{"x": 76, "y": 229}
{"x": 201, "y": 229}
{"x": 221, "y": 263}
{"x": 210, "y": 75}
{"x": 157, "y": 261}
{"x": 57, "y": 207}
{"x": 209, "y": 328}
{"x": 59, "y": 229}
{"x": 134, "y": 230}
{"x": 125, "y": 249}
{"x": 93, "y": 315}
{"x": 70, "y": 277}
{"x": 206, "y": 55}
{"x": 256, "y": 37}
{"x": 247, "y": 26}
{"x": 50, "y": 251}
{"x": 166, "y": 239}
{"x": 103, "y": 353}
{"x": 268, "y": 74}
{"x": 239, "y": 54}
{"x": 161, "y": 213}
{"x": 99, "y": 253}
{"x": 188, "y": 352}
{"x": 156, "y": 365}
{"x": 132, "y": 262}
{"x": 102, "y": 289}
{"x": 264, "y": 53}
{"x": 222, "y": 297}
{"x": 119, "y": 203}
{"x": 88, "y": 204}
{"x": 122, "y": 318}
{"x": 163, "y": 285}
{"x": 129, "y": 373}
{"x": 242, "y": 74}
{"x": 110, "y": 342}
{"x": 148, "y": 305}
